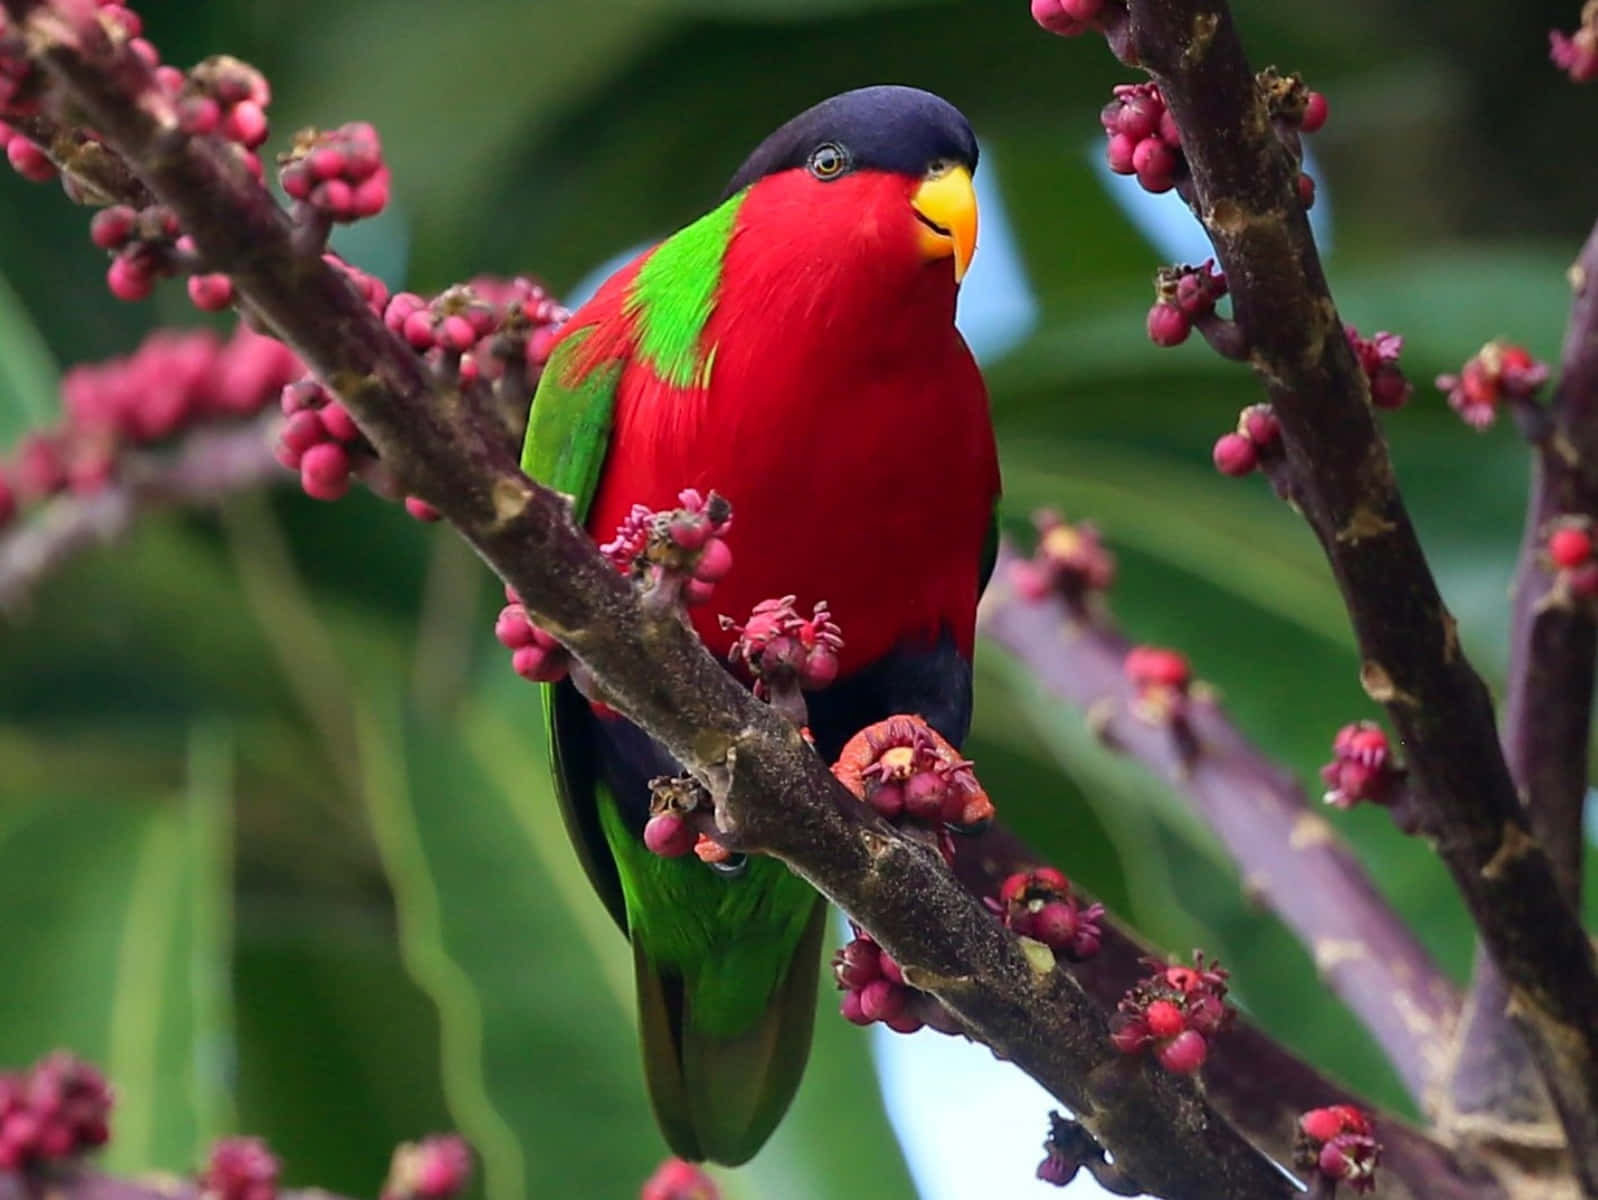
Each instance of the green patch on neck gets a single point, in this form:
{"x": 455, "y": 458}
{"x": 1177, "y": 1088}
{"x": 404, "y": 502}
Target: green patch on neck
{"x": 674, "y": 294}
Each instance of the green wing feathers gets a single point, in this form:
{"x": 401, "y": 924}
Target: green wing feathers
{"x": 727, "y": 968}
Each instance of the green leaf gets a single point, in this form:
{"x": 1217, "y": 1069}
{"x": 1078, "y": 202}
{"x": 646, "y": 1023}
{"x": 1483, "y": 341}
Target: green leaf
{"x": 29, "y": 377}
{"x": 117, "y": 950}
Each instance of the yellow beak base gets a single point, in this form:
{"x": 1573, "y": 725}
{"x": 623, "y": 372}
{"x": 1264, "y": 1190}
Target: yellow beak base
{"x": 946, "y": 204}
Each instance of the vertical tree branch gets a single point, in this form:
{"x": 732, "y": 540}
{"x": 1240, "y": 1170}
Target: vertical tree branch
{"x": 1244, "y": 185}
{"x": 1494, "y": 1092}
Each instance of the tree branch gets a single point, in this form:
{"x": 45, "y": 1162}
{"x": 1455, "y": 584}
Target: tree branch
{"x": 1495, "y": 1092}
{"x": 1260, "y": 1085}
{"x": 1245, "y": 194}
{"x": 1287, "y": 853}
{"x": 774, "y": 795}
{"x": 208, "y": 465}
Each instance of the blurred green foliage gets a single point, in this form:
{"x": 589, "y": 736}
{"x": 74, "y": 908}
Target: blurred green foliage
{"x": 276, "y": 845}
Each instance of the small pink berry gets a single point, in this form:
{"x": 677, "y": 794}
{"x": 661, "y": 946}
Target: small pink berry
{"x": 881, "y": 1000}
{"x": 128, "y": 279}
{"x": 325, "y": 471}
{"x": 29, "y": 161}
{"x": 1259, "y": 425}
{"x": 112, "y": 227}
{"x": 1155, "y": 164}
{"x": 1570, "y": 547}
{"x": 210, "y": 293}
{"x": 1322, "y": 1124}
{"x": 715, "y": 560}
{"x": 1164, "y": 1019}
{"x": 1315, "y": 112}
{"x": 1118, "y": 153}
{"x": 668, "y": 835}
{"x": 1306, "y": 191}
{"x": 890, "y": 968}
{"x": 1235, "y": 455}
{"x": 340, "y": 425}
{"x": 512, "y": 629}
{"x": 1168, "y": 325}
{"x": 246, "y": 124}
{"x": 850, "y": 1008}
{"x": 421, "y": 510}
{"x": 1185, "y": 1053}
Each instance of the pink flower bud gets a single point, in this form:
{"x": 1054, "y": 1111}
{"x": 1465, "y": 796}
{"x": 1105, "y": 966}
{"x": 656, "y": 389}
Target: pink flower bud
{"x": 1185, "y": 1053}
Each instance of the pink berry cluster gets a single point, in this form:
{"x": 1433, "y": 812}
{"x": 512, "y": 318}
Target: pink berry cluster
{"x": 1378, "y": 358}
{"x": 1338, "y": 1144}
{"x": 1039, "y": 904}
{"x": 20, "y": 83}
{"x": 535, "y": 655}
{"x": 904, "y": 768}
{"x": 681, "y": 551}
{"x": 1258, "y": 436}
{"x": 780, "y": 650}
{"x": 1184, "y": 296}
{"x": 1363, "y": 769}
{"x": 1570, "y": 555}
{"x": 319, "y": 439}
{"x": 1161, "y": 680}
{"x": 1576, "y": 54}
{"x": 221, "y": 96}
{"x": 173, "y": 382}
{"x": 1144, "y": 140}
{"x": 58, "y": 1108}
{"x": 240, "y": 1168}
{"x": 146, "y": 245}
{"x": 1175, "y": 1012}
{"x": 669, "y": 832}
{"x": 338, "y": 173}
{"x": 675, "y": 1179}
{"x": 1497, "y": 373}
{"x": 485, "y": 329}
{"x": 874, "y": 990}
{"x": 1294, "y": 111}
{"x": 435, "y": 1168}
{"x": 1070, "y": 561}
{"x": 1071, "y": 18}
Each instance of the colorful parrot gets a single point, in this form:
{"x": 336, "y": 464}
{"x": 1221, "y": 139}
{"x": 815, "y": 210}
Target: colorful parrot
{"x": 795, "y": 350}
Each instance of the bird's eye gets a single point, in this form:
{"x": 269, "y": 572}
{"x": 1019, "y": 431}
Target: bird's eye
{"x": 828, "y": 161}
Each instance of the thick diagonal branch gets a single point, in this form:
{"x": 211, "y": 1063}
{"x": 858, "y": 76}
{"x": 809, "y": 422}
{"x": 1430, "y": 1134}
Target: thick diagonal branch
{"x": 1245, "y": 195}
{"x": 774, "y": 794}
{"x": 1287, "y": 853}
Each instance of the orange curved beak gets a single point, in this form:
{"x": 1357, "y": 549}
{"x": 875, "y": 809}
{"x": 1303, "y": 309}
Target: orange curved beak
{"x": 946, "y": 206}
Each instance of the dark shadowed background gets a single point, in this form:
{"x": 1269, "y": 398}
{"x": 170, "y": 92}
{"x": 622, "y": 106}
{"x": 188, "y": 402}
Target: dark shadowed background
{"x": 276, "y": 846}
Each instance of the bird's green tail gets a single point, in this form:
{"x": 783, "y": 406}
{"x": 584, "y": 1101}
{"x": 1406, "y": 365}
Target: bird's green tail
{"x": 719, "y": 1095}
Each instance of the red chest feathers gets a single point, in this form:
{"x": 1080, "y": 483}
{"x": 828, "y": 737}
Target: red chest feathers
{"x": 847, "y": 423}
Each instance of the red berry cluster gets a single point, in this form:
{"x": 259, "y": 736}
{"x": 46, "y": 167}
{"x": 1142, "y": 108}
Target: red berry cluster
{"x": 1040, "y": 904}
{"x": 535, "y": 655}
{"x": 1162, "y": 679}
{"x": 780, "y": 649}
{"x": 1570, "y": 555}
{"x": 675, "y": 1179}
{"x": 19, "y": 82}
{"x": 1576, "y": 54}
{"x": 1176, "y": 1011}
{"x": 1497, "y": 372}
{"x": 874, "y": 990}
{"x": 1378, "y": 358}
{"x": 338, "y": 173}
{"x": 145, "y": 245}
{"x": 240, "y": 1168}
{"x": 681, "y": 551}
{"x": 58, "y": 1108}
{"x": 1069, "y": 18}
{"x": 172, "y": 382}
{"x": 1338, "y": 1144}
{"x": 1144, "y": 140}
{"x": 222, "y": 96}
{"x": 1257, "y": 436}
{"x": 1070, "y": 561}
{"x": 319, "y": 439}
{"x": 1184, "y": 296}
{"x": 435, "y": 1168}
{"x": 903, "y": 767}
{"x": 486, "y": 329}
{"x": 1362, "y": 767}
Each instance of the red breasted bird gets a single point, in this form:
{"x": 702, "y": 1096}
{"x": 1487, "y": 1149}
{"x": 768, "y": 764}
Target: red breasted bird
{"x": 794, "y": 349}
